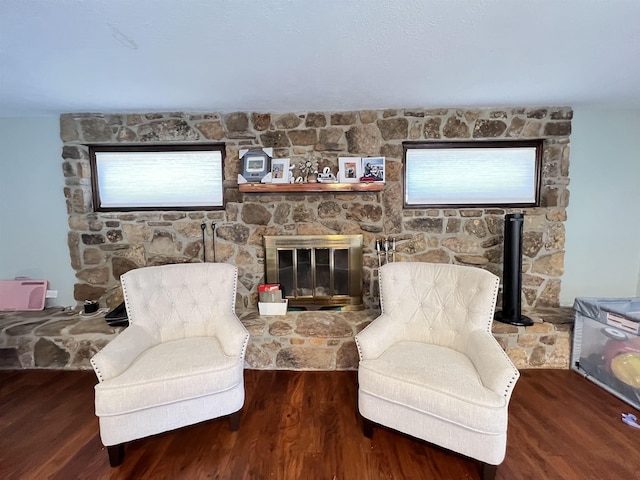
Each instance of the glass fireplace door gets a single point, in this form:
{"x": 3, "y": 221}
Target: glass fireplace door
{"x": 321, "y": 270}
{"x": 314, "y": 272}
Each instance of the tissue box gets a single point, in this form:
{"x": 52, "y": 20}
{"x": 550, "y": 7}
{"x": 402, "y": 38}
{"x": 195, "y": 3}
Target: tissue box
{"x": 273, "y": 308}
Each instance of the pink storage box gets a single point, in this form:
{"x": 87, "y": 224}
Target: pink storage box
{"x": 22, "y": 295}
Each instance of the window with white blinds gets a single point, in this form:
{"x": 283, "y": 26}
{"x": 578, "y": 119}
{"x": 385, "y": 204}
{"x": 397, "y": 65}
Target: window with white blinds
{"x": 472, "y": 174}
{"x": 157, "y": 177}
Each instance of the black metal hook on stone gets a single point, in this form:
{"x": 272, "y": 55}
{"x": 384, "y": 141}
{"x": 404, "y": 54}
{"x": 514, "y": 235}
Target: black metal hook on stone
{"x": 203, "y": 226}
{"x": 213, "y": 240}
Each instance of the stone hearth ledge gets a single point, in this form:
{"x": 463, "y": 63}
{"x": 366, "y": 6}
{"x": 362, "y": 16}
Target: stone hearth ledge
{"x": 57, "y": 338}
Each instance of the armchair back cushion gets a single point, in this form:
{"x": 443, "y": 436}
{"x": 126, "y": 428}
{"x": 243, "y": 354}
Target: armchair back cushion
{"x": 437, "y": 303}
{"x": 172, "y": 302}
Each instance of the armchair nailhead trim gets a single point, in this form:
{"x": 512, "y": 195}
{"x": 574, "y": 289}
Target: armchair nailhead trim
{"x": 235, "y": 289}
{"x": 98, "y": 373}
{"x": 380, "y": 288}
{"x": 359, "y": 349}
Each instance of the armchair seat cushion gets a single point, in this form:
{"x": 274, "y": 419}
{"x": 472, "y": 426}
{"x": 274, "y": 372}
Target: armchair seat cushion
{"x": 436, "y": 381}
{"x": 170, "y": 372}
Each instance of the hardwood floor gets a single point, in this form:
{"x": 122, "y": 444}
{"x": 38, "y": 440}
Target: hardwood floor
{"x": 302, "y": 425}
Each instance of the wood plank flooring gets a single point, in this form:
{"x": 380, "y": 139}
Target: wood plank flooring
{"x": 302, "y": 425}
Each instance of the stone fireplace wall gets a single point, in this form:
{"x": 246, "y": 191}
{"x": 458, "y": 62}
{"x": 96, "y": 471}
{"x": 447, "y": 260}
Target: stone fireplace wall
{"x": 103, "y": 245}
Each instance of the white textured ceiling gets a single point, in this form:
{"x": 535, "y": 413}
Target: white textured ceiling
{"x": 61, "y": 56}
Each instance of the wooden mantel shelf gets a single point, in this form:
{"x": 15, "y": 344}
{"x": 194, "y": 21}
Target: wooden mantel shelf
{"x": 311, "y": 187}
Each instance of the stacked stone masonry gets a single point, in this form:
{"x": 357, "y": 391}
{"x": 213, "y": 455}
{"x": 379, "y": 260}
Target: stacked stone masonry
{"x": 60, "y": 339}
{"x": 105, "y": 245}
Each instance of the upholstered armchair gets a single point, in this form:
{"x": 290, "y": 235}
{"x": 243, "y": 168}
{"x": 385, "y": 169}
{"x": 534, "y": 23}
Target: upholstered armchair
{"x": 181, "y": 359}
{"x": 429, "y": 365}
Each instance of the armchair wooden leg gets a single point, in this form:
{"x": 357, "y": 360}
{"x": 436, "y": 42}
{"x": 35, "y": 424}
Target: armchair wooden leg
{"x": 234, "y": 421}
{"x": 116, "y": 454}
{"x": 489, "y": 471}
{"x": 367, "y": 427}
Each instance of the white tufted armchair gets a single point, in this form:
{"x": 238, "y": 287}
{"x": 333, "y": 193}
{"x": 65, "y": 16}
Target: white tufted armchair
{"x": 429, "y": 365}
{"x": 181, "y": 359}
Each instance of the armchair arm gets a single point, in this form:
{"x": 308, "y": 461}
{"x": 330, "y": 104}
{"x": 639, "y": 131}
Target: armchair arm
{"x": 232, "y": 334}
{"x": 377, "y": 336}
{"x": 117, "y": 355}
{"x": 496, "y": 370}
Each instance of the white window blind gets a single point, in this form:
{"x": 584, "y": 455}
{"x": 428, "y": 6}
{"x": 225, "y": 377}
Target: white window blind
{"x": 471, "y": 176}
{"x": 158, "y": 179}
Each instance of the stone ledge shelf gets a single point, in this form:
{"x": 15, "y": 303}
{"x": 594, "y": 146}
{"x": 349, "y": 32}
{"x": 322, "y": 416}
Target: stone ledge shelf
{"x": 314, "y": 340}
{"x": 310, "y": 187}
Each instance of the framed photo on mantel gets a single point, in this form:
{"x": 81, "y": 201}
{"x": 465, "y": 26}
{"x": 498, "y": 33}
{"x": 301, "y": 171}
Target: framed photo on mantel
{"x": 373, "y": 169}
{"x": 350, "y": 169}
{"x": 255, "y": 163}
{"x": 280, "y": 170}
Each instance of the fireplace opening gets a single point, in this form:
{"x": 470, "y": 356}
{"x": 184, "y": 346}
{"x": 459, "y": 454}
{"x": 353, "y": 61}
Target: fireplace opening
{"x": 316, "y": 271}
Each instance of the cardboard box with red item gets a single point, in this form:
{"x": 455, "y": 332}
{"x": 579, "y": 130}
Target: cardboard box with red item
{"x": 271, "y": 302}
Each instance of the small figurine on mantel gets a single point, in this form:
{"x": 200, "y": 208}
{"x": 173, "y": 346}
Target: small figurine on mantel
{"x": 326, "y": 176}
{"x": 309, "y": 169}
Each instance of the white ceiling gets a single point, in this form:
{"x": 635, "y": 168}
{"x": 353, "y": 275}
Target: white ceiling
{"x": 106, "y": 56}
